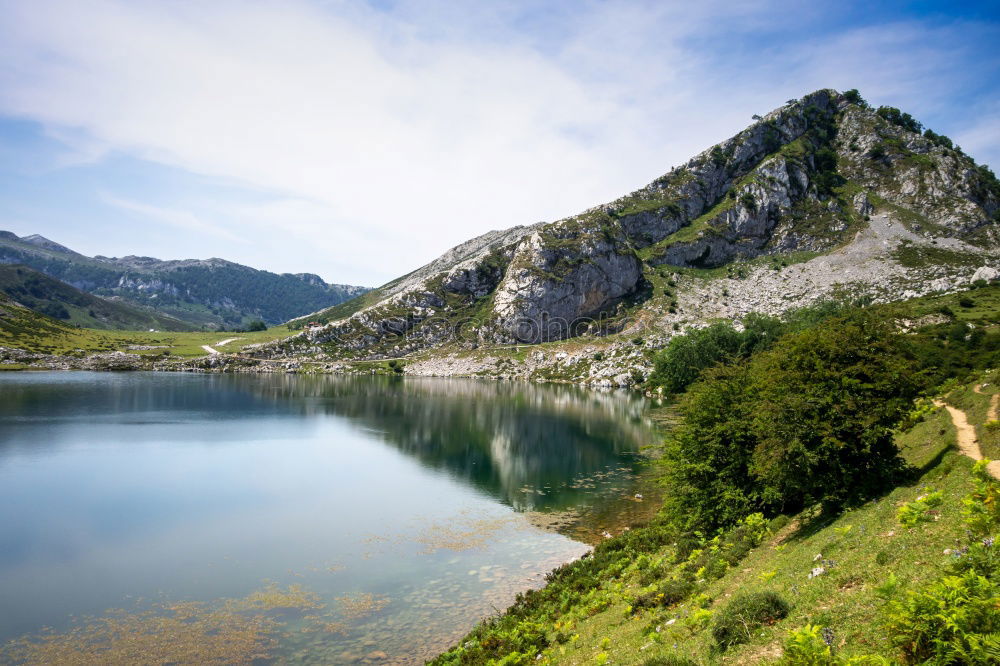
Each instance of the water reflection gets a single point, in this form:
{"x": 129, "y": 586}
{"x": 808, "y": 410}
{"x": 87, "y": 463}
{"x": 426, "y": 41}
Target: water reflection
{"x": 532, "y": 447}
{"x": 202, "y": 488}
{"x": 512, "y": 440}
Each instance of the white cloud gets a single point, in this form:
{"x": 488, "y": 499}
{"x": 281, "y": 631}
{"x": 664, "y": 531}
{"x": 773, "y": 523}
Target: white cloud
{"x": 179, "y": 219}
{"x": 380, "y": 139}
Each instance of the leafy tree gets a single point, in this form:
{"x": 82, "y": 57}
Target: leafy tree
{"x": 810, "y": 420}
{"x": 854, "y": 97}
{"x": 686, "y": 356}
{"x": 939, "y": 139}
{"x": 900, "y": 118}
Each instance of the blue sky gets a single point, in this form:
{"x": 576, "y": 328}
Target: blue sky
{"x": 360, "y": 140}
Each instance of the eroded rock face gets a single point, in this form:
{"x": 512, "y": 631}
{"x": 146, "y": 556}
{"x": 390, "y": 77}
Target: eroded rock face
{"x": 746, "y": 227}
{"x": 557, "y": 279}
{"x": 811, "y": 175}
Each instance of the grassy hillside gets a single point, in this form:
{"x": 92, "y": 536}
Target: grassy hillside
{"x": 618, "y": 614}
{"x": 895, "y": 567}
{"x": 59, "y": 300}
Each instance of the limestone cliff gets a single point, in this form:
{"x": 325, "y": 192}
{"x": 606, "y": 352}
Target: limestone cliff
{"x": 819, "y": 178}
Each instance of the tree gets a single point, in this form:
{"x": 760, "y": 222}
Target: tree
{"x": 686, "y": 356}
{"x": 811, "y": 420}
{"x": 854, "y": 97}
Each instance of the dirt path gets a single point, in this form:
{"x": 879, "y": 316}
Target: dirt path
{"x": 994, "y": 413}
{"x": 213, "y": 351}
{"x": 968, "y": 443}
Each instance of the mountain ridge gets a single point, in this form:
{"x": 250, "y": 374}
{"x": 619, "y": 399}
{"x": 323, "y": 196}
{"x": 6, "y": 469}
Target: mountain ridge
{"x": 214, "y": 293}
{"x": 46, "y": 295}
{"x": 826, "y": 178}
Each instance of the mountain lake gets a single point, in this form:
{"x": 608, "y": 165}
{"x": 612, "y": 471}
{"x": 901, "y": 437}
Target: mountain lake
{"x": 294, "y": 519}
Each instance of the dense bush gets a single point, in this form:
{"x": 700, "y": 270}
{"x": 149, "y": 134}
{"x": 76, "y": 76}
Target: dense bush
{"x": 900, "y": 118}
{"x": 810, "y": 420}
{"x": 666, "y": 593}
{"x": 953, "y": 620}
{"x": 939, "y": 139}
{"x": 854, "y": 97}
{"x": 686, "y": 356}
{"x": 746, "y": 613}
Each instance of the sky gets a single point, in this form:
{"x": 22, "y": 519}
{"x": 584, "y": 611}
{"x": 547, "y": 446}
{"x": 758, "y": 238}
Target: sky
{"x": 360, "y": 140}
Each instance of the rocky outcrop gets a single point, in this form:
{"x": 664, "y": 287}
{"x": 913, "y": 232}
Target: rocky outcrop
{"x": 561, "y": 276}
{"x": 811, "y": 176}
{"x": 744, "y": 228}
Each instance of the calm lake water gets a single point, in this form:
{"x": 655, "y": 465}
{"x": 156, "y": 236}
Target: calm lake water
{"x": 293, "y": 519}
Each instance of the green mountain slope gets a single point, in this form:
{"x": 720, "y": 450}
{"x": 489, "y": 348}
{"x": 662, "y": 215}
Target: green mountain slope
{"x": 214, "y": 293}
{"x": 58, "y": 300}
{"x": 18, "y": 322}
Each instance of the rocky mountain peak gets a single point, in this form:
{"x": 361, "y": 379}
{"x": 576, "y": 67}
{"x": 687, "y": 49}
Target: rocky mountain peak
{"x": 802, "y": 181}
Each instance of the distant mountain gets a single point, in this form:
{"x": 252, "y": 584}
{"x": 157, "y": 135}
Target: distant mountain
{"x": 48, "y": 296}
{"x": 213, "y": 292}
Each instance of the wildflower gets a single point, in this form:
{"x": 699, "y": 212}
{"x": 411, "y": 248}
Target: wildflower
{"x": 828, "y": 636}
{"x": 988, "y": 542}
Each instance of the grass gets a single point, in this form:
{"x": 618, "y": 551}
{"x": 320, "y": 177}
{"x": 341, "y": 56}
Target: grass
{"x": 976, "y": 405}
{"x": 916, "y": 256}
{"x": 868, "y": 558}
{"x": 23, "y": 329}
{"x": 984, "y": 309}
{"x": 848, "y": 597}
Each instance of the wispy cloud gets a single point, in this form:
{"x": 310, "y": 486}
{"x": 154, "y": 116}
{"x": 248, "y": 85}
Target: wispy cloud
{"x": 409, "y": 129}
{"x": 179, "y": 219}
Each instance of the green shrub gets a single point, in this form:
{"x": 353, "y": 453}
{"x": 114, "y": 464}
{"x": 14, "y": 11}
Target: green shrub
{"x": 668, "y": 593}
{"x": 686, "y": 356}
{"x": 854, "y": 97}
{"x": 805, "y": 646}
{"x": 953, "y": 620}
{"x": 981, "y": 508}
{"x": 919, "y": 510}
{"x": 745, "y": 614}
{"x": 966, "y": 302}
{"x": 900, "y": 118}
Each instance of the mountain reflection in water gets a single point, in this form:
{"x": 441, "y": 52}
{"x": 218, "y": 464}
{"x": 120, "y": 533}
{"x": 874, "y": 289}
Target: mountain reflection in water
{"x": 508, "y": 439}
